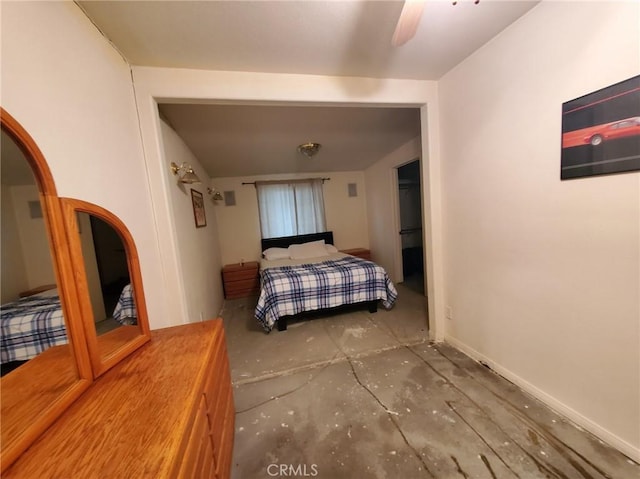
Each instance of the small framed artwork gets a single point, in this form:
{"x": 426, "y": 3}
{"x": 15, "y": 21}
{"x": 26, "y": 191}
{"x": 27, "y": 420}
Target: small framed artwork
{"x": 198, "y": 208}
{"x": 601, "y": 131}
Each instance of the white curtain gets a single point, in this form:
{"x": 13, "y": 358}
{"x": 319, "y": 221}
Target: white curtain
{"x": 291, "y": 207}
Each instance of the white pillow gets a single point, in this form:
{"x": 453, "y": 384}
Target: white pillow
{"x": 312, "y": 249}
{"x": 330, "y": 248}
{"x": 275, "y": 253}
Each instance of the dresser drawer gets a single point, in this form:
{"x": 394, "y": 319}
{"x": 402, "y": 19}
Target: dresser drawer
{"x": 199, "y": 456}
{"x": 218, "y": 416}
{"x": 216, "y": 379}
{"x": 224, "y": 445}
{"x": 224, "y": 453}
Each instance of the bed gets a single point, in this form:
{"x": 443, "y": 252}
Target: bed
{"x": 125, "y": 310}
{"x": 31, "y": 325}
{"x": 290, "y": 288}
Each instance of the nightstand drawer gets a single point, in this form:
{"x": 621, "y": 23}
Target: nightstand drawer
{"x": 241, "y": 293}
{"x": 242, "y": 285}
{"x": 240, "y": 280}
{"x": 239, "y": 275}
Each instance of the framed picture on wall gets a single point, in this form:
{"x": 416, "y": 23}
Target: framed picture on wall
{"x": 198, "y": 208}
{"x": 601, "y": 131}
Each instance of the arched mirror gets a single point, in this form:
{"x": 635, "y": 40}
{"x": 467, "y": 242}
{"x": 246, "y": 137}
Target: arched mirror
{"x": 109, "y": 283}
{"x": 44, "y": 356}
{"x": 72, "y": 298}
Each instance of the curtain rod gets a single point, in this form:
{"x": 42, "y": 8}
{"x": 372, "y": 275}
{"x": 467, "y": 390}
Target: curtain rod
{"x": 293, "y": 180}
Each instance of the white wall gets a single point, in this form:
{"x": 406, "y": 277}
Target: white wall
{"x": 73, "y": 93}
{"x": 382, "y": 207}
{"x": 239, "y": 225}
{"x": 199, "y": 248}
{"x": 543, "y": 275}
{"x": 36, "y": 253}
{"x": 14, "y": 273}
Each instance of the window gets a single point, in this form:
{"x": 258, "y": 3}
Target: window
{"x": 290, "y": 208}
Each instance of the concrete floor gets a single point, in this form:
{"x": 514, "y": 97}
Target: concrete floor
{"x": 361, "y": 395}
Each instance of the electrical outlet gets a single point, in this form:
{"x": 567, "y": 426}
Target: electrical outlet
{"x": 449, "y": 312}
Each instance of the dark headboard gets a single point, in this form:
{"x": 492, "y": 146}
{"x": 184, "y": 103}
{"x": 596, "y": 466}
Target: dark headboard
{"x": 285, "y": 241}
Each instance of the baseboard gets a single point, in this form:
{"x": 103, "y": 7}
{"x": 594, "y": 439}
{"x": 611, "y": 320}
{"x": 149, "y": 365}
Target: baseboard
{"x": 605, "y": 435}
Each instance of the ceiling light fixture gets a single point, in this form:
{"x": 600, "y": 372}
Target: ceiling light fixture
{"x": 185, "y": 173}
{"x": 309, "y": 149}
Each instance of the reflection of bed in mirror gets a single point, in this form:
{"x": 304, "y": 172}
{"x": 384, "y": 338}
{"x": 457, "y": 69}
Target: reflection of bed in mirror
{"x": 34, "y": 323}
{"x": 125, "y": 310}
{"x": 30, "y": 326}
{"x": 32, "y": 317}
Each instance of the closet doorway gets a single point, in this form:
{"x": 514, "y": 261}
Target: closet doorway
{"x": 410, "y": 204}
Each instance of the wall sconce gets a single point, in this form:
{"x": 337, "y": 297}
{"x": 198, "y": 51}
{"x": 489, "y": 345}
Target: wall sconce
{"x": 185, "y": 173}
{"x": 215, "y": 194}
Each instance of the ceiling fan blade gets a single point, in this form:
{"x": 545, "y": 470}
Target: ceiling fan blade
{"x": 408, "y": 22}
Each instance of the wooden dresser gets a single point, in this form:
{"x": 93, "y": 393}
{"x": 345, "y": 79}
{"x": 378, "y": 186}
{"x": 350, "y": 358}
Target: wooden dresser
{"x": 240, "y": 280}
{"x": 359, "y": 252}
{"x": 164, "y": 412}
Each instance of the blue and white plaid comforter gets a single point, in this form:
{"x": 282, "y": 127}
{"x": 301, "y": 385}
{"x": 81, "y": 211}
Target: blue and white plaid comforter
{"x": 290, "y": 290}
{"x": 29, "y": 326}
{"x": 125, "y": 310}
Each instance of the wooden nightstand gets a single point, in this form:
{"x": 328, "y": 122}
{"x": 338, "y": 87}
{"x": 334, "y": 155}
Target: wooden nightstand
{"x": 359, "y": 252}
{"x": 240, "y": 280}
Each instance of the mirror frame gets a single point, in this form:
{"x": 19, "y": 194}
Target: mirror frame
{"x": 105, "y": 354}
{"x": 65, "y": 278}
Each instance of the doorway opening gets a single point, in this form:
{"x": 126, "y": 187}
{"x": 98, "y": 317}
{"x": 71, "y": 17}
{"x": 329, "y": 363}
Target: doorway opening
{"x": 410, "y": 205}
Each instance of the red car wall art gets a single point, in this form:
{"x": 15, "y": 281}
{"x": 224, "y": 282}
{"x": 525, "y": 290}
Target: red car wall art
{"x": 601, "y": 131}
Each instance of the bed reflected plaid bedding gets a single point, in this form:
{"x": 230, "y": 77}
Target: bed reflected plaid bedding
{"x": 29, "y": 326}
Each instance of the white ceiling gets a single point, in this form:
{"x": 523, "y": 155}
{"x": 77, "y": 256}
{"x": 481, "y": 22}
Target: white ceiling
{"x": 330, "y": 37}
{"x": 343, "y": 38}
{"x": 241, "y": 140}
